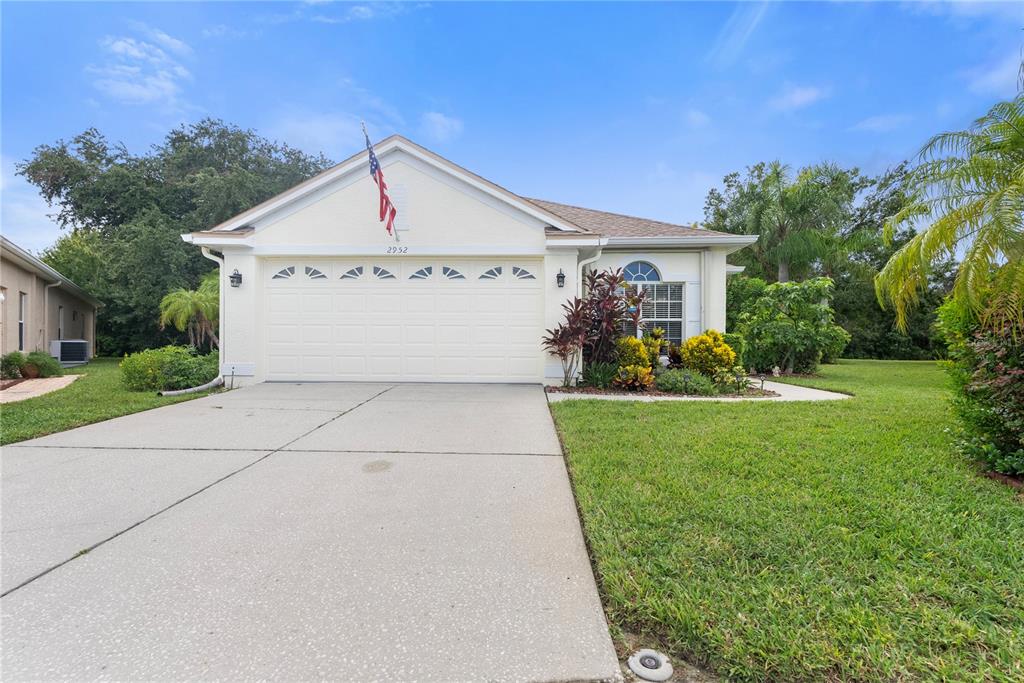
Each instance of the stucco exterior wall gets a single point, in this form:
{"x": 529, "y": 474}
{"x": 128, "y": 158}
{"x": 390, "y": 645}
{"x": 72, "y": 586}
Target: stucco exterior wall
{"x": 42, "y": 311}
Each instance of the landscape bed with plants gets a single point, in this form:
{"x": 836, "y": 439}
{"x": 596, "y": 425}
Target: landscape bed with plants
{"x": 789, "y": 327}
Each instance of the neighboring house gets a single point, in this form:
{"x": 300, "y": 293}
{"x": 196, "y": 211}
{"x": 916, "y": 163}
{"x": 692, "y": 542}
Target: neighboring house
{"x": 40, "y": 306}
{"x": 465, "y": 293}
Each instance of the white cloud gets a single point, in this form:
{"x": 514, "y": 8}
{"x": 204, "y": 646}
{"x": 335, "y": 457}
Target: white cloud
{"x": 24, "y": 213}
{"x": 439, "y": 127}
{"x": 882, "y": 123}
{"x": 735, "y": 33}
{"x": 135, "y": 71}
{"x": 336, "y": 135}
{"x": 999, "y": 77}
{"x": 794, "y": 97}
{"x": 696, "y": 118}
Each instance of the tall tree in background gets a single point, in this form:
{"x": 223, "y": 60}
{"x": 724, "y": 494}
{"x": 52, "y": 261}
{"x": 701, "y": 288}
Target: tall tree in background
{"x": 798, "y": 220}
{"x": 124, "y": 213}
{"x": 968, "y": 192}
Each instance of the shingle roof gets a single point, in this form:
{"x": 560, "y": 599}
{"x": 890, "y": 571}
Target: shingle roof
{"x": 618, "y": 225}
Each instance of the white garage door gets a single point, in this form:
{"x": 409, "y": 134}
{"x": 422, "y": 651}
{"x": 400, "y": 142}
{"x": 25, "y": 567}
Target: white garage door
{"x": 404, "y": 319}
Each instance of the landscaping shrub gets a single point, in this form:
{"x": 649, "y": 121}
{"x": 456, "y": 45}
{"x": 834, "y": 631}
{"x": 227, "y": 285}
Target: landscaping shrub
{"x": 10, "y": 365}
{"x": 612, "y": 305}
{"x": 634, "y": 377}
{"x": 168, "y": 368}
{"x": 707, "y": 353}
{"x": 675, "y": 356}
{"x": 654, "y": 342}
{"x": 686, "y": 382}
{"x": 987, "y": 367}
{"x": 567, "y": 339}
{"x": 738, "y": 344}
{"x": 45, "y": 365}
{"x": 790, "y": 328}
{"x": 632, "y": 351}
{"x": 600, "y": 375}
{"x": 732, "y": 380}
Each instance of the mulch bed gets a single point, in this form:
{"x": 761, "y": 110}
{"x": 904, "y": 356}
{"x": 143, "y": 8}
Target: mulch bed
{"x": 1014, "y": 482}
{"x": 6, "y": 383}
{"x": 751, "y": 393}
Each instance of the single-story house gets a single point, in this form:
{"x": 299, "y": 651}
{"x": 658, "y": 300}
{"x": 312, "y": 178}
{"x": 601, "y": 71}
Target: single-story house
{"x": 42, "y": 310}
{"x": 314, "y": 289}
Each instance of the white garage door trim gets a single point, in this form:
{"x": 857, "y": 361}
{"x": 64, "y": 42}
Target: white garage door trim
{"x": 404, "y": 319}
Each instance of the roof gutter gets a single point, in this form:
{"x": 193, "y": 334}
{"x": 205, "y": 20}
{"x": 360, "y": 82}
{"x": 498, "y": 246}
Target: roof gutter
{"x": 34, "y": 264}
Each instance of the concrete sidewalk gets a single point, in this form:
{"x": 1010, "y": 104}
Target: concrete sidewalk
{"x": 327, "y": 531}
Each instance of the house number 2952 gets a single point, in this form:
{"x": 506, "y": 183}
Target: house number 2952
{"x": 397, "y": 250}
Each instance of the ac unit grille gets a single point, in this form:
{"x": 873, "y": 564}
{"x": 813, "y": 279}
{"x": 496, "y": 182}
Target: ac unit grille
{"x": 69, "y": 351}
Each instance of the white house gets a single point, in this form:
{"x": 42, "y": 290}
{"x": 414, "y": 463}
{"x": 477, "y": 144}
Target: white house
{"x": 477, "y": 273}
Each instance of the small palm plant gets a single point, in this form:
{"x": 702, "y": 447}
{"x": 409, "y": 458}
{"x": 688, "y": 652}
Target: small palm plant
{"x": 969, "y": 190}
{"x": 194, "y": 310}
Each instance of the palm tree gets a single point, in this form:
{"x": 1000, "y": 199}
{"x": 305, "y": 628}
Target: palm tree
{"x": 195, "y": 310}
{"x": 968, "y": 189}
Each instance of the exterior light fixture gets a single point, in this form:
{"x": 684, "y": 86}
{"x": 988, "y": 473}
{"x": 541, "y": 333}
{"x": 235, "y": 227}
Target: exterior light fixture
{"x": 236, "y": 278}
{"x": 761, "y": 377}
{"x": 560, "y": 278}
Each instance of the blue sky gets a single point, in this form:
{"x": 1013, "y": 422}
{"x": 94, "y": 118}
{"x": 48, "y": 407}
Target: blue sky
{"x": 634, "y": 108}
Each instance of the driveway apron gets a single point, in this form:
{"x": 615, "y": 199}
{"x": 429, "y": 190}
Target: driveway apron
{"x": 302, "y": 531}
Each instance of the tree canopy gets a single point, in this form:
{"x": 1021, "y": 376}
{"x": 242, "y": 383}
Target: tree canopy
{"x": 124, "y": 213}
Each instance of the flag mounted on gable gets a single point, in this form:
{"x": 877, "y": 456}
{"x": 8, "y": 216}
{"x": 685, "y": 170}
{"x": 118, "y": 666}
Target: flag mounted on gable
{"x": 387, "y": 209}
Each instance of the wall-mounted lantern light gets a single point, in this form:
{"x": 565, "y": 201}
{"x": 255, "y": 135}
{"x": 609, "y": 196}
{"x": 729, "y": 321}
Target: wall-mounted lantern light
{"x": 560, "y": 278}
{"x": 236, "y": 278}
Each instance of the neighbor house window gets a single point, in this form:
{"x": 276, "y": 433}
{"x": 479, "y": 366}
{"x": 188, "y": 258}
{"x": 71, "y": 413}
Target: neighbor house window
{"x": 22, "y": 312}
{"x": 664, "y": 301}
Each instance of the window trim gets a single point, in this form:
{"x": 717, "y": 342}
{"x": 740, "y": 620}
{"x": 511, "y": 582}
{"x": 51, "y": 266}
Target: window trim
{"x": 22, "y": 310}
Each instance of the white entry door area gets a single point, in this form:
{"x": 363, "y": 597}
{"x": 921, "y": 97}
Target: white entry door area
{"x": 404, "y": 319}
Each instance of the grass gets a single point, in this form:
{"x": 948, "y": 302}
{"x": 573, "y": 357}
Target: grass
{"x": 803, "y": 541}
{"x": 97, "y": 396}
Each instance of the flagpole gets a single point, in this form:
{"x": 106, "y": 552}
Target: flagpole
{"x": 368, "y": 143}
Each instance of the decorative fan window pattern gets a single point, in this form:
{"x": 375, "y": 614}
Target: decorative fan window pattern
{"x": 352, "y": 273}
{"x": 491, "y": 273}
{"x": 452, "y": 274}
{"x": 422, "y": 273}
{"x": 522, "y": 273}
{"x": 383, "y": 273}
{"x": 284, "y": 273}
{"x": 315, "y": 274}
{"x": 641, "y": 271}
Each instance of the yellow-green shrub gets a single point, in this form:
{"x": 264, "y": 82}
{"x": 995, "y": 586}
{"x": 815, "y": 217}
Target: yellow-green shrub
{"x": 707, "y": 353}
{"x": 634, "y": 378}
{"x": 654, "y": 341}
{"x": 632, "y": 351}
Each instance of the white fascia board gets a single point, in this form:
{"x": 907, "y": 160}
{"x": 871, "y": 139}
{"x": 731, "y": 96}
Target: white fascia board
{"x": 213, "y": 241}
{"x": 357, "y": 162}
{"x": 731, "y": 242}
{"x": 381, "y": 250}
{"x": 577, "y": 242}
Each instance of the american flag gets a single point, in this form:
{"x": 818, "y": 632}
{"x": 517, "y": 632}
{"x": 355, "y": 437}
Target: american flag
{"x": 387, "y": 209}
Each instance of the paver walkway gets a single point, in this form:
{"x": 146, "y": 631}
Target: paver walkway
{"x": 30, "y": 388}
{"x": 302, "y": 531}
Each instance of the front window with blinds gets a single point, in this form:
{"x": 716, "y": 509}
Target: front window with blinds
{"x": 664, "y": 307}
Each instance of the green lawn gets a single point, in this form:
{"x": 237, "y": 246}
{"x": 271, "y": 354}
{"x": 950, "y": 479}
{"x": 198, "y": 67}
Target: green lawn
{"x": 96, "y": 396}
{"x": 804, "y": 541}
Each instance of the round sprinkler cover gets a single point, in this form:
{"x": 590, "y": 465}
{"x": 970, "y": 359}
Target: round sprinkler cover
{"x": 650, "y": 665}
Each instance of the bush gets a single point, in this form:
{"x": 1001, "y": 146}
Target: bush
{"x": 612, "y": 305}
{"x": 45, "y": 365}
{"x": 707, "y": 353}
{"x": 654, "y": 341}
{"x": 675, "y": 356}
{"x": 600, "y": 375}
{"x": 738, "y": 344}
{"x": 733, "y": 380}
{"x": 10, "y": 365}
{"x": 987, "y": 367}
{"x": 686, "y": 382}
{"x": 632, "y": 351}
{"x": 168, "y": 368}
{"x": 634, "y": 377}
{"x": 789, "y": 327}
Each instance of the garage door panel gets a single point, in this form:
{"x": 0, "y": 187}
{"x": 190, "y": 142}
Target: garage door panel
{"x": 417, "y": 326}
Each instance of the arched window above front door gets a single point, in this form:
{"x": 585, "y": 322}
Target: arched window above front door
{"x": 641, "y": 271}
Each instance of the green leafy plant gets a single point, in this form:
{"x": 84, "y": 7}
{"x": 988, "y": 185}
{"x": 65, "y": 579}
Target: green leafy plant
{"x": 733, "y": 380}
{"x": 791, "y": 327}
{"x": 10, "y": 365}
{"x": 685, "y": 382}
{"x": 634, "y": 377}
{"x": 600, "y": 375}
{"x": 675, "y": 356}
{"x": 41, "y": 364}
{"x": 632, "y": 351}
{"x": 707, "y": 353}
{"x": 168, "y": 368}
{"x": 613, "y": 305}
{"x": 737, "y": 343}
{"x": 654, "y": 341}
{"x": 567, "y": 339}
{"x": 194, "y": 310}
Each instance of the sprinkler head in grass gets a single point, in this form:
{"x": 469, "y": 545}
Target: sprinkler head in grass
{"x": 650, "y": 665}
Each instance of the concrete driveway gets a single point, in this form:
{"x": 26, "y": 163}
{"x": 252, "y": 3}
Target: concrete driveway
{"x": 302, "y": 531}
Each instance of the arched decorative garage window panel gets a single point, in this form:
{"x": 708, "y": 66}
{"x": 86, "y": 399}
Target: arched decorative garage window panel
{"x": 284, "y": 273}
{"x": 522, "y": 273}
{"x": 641, "y": 271}
{"x": 452, "y": 274}
{"x": 383, "y": 273}
{"x": 315, "y": 274}
{"x": 422, "y": 273}
{"x": 491, "y": 273}
{"x": 352, "y": 273}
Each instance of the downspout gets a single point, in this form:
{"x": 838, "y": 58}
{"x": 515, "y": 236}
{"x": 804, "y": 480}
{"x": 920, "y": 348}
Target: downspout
{"x": 586, "y": 262}
{"x": 219, "y": 260}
